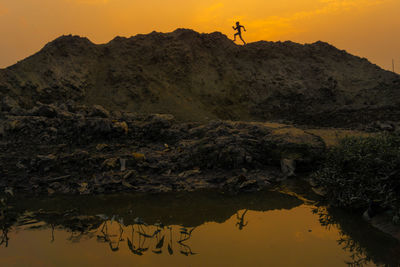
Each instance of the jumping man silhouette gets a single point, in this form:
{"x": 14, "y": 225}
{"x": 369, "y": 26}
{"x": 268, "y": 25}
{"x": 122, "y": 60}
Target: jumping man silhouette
{"x": 238, "y": 28}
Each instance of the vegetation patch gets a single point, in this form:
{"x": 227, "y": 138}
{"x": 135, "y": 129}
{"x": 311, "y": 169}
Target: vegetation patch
{"x": 363, "y": 171}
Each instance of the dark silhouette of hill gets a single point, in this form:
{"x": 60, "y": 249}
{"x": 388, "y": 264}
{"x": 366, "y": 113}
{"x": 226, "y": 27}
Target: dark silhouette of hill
{"x": 206, "y": 76}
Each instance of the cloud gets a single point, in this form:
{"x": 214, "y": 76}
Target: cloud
{"x": 280, "y": 25}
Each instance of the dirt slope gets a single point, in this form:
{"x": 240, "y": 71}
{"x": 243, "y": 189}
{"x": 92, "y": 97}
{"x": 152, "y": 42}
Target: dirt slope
{"x": 206, "y": 76}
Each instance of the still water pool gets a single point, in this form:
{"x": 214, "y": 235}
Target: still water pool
{"x": 196, "y": 229}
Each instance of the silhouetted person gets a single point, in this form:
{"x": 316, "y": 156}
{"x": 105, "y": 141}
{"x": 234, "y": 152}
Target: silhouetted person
{"x": 238, "y": 28}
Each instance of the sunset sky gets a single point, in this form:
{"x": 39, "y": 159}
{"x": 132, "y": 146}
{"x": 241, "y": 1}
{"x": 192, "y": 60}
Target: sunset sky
{"x": 367, "y": 28}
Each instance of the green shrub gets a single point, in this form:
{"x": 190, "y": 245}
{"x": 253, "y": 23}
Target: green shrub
{"x": 361, "y": 170}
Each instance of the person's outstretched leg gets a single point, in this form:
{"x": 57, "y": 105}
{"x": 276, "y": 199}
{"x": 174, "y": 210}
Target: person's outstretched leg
{"x": 242, "y": 39}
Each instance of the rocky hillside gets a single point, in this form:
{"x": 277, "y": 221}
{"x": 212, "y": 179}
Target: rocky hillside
{"x": 199, "y": 77}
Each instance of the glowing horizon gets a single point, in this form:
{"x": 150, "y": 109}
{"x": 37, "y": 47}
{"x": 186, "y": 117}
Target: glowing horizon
{"x": 366, "y": 28}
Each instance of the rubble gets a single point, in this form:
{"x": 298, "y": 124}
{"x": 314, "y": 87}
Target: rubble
{"x": 42, "y": 153}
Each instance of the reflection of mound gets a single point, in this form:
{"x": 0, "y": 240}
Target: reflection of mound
{"x": 188, "y": 209}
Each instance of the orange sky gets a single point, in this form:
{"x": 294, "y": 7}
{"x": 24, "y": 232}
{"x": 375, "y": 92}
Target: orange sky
{"x": 367, "y": 28}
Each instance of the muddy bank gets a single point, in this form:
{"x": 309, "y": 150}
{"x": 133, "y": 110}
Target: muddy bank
{"x": 76, "y": 149}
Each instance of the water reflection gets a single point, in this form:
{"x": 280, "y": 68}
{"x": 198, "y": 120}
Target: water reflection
{"x": 364, "y": 243}
{"x": 170, "y": 224}
{"x": 240, "y": 224}
{"x": 4, "y": 235}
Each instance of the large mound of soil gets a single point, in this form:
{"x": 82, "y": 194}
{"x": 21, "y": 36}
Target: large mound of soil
{"x": 199, "y": 77}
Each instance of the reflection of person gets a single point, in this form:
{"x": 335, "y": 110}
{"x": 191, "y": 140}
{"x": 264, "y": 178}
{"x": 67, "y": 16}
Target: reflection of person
{"x": 238, "y": 28}
{"x": 241, "y": 223}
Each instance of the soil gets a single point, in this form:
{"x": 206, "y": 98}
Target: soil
{"x": 181, "y": 111}
{"x": 75, "y": 149}
{"x": 203, "y": 77}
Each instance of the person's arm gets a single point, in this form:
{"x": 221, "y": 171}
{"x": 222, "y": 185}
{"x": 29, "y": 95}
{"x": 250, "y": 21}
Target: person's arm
{"x": 234, "y": 28}
{"x": 244, "y": 28}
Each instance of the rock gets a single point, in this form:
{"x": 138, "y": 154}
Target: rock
{"x": 9, "y": 190}
{"x": 83, "y": 189}
{"x": 162, "y": 189}
{"x": 129, "y": 174}
{"x": 44, "y": 163}
{"x": 63, "y": 114}
{"x": 56, "y": 179}
{"x": 236, "y": 180}
{"x": 47, "y": 158}
{"x": 160, "y": 121}
{"x": 139, "y": 156}
{"x": 384, "y": 222}
{"x": 249, "y": 186}
{"x": 99, "y": 126}
{"x": 121, "y": 127}
{"x": 2, "y": 129}
{"x": 8, "y": 103}
{"x": 319, "y": 191}
{"x": 13, "y": 125}
{"x": 189, "y": 173}
{"x": 162, "y": 117}
{"x": 385, "y": 126}
{"x": 49, "y": 111}
{"x": 288, "y": 166}
{"x": 17, "y": 111}
{"x": 50, "y": 191}
{"x": 233, "y": 184}
{"x": 241, "y": 184}
{"x": 123, "y": 164}
{"x": 20, "y": 165}
{"x": 101, "y": 147}
{"x": 127, "y": 185}
{"x": 110, "y": 163}
{"x": 99, "y": 111}
{"x": 116, "y": 114}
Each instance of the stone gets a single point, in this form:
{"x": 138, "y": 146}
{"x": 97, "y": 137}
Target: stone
{"x": 233, "y": 184}
{"x": 189, "y": 173}
{"x": 9, "y": 190}
{"x": 384, "y": 222}
{"x": 129, "y": 174}
{"x": 14, "y": 125}
{"x": 385, "y": 126}
{"x": 110, "y": 163}
{"x": 49, "y": 111}
{"x": 288, "y": 166}
{"x": 319, "y": 191}
{"x": 121, "y": 126}
{"x": 126, "y": 184}
{"x": 249, "y": 186}
{"x": 83, "y": 189}
{"x": 101, "y": 147}
{"x": 99, "y": 111}
{"x": 8, "y": 103}
{"x": 139, "y": 156}
{"x": 2, "y": 129}
{"x": 50, "y": 191}
{"x": 123, "y": 164}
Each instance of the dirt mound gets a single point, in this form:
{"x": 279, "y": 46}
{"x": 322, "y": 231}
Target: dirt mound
{"x": 199, "y": 77}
